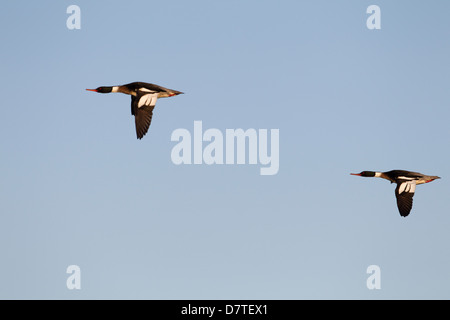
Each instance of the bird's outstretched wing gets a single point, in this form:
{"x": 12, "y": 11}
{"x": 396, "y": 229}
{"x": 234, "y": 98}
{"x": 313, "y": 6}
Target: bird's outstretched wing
{"x": 142, "y": 106}
{"x": 404, "y": 194}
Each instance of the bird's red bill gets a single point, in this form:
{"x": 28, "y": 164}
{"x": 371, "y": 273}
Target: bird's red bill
{"x": 355, "y": 174}
{"x": 95, "y": 90}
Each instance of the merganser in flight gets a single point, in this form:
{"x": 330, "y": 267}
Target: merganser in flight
{"x": 406, "y": 185}
{"x": 143, "y": 100}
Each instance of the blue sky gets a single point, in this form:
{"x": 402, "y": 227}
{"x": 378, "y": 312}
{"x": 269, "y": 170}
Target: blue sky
{"x": 78, "y": 188}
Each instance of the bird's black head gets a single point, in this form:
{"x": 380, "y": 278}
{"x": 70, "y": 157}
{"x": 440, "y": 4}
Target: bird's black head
{"x": 364, "y": 174}
{"x": 101, "y": 89}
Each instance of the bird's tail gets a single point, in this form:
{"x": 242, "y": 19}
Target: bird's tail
{"x": 175, "y": 92}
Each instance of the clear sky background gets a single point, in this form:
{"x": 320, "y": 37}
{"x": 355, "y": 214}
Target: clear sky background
{"x": 78, "y": 188}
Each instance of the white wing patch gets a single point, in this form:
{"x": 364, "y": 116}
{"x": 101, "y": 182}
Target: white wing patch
{"x": 145, "y": 90}
{"x": 407, "y": 186}
{"x": 148, "y": 99}
{"x": 405, "y": 178}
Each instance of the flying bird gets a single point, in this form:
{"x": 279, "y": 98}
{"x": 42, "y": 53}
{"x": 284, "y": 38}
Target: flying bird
{"x": 143, "y": 100}
{"x": 406, "y": 185}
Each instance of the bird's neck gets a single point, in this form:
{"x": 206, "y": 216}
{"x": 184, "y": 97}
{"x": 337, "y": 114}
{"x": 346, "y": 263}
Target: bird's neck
{"x": 123, "y": 89}
{"x": 384, "y": 176}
